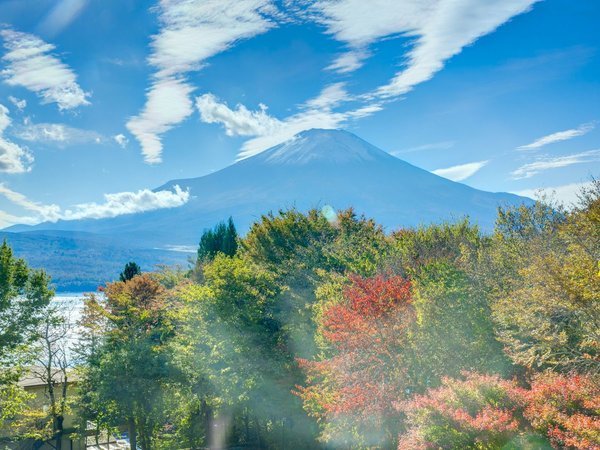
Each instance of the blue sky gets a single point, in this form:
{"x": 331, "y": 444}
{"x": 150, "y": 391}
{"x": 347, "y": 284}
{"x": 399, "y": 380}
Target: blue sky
{"x": 102, "y": 101}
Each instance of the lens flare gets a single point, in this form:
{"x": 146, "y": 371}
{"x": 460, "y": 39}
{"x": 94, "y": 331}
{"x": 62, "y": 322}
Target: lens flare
{"x": 329, "y": 213}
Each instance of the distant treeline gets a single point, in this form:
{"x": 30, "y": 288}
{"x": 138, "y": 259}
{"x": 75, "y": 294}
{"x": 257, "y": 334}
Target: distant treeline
{"x": 326, "y": 332}
{"x": 80, "y": 262}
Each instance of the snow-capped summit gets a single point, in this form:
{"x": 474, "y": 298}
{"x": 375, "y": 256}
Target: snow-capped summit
{"x": 323, "y": 146}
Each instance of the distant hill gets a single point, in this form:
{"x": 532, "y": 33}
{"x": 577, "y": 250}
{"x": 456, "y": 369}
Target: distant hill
{"x": 313, "y": 169}
{"x": 79, "y": 262}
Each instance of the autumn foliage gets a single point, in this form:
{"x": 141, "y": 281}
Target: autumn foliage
{"x": 478, "y": 411}
{"x": 566, "y": 409}
{"x": 485, "y": 411}
{"x": 368, "y": 337}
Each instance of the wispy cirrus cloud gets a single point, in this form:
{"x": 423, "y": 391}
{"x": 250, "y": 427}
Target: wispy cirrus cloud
{"x": 114, "y": 205}
{"x": 546, "y": 163}
{"x": 462, "y": 171}
{"x": 31, "y": 64}
{"x": 191, "y": 32}
{"x": 559, "y": 136}
{"x": 349, "y": 62}
{"x": 330, "y": 97}
{"x": 436, "y": 29}
{"x": 13, "y": 157}
{"x": 58, "y": 134}
{"x": 42, "y": 212}
{"x": 442, "y": 145}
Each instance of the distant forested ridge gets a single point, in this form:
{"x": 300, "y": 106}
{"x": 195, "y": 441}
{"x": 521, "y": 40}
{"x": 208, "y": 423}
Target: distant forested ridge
{"x": 79, "y": 262}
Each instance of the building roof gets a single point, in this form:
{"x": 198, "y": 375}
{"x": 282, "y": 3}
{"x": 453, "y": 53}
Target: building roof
{"x": 36, "y": 376}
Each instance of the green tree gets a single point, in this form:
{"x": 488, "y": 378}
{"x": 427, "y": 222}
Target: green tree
{"x": 455, "y": 331}
{"x": 43, "y": 420}
{"x": 242, "y": 371}
{"x": 131, "y": 270}
{"x": 547, "y": 312}
{"x": 128, "y": 378}
{"x": 221, "y": 239}
{"x": 24, "y": 296}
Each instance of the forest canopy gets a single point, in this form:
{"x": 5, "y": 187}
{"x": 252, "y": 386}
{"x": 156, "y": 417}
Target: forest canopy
{"x": 328, "y": 332}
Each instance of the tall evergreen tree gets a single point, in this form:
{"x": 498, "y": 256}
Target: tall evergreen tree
{"x": 221, "y": 239}
{"x": 131, "y": 270}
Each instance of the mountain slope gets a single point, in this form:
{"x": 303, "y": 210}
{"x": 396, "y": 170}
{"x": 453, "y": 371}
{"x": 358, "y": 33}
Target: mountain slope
{"x": 315, "y": 168}
{"x": 79, "y": 261}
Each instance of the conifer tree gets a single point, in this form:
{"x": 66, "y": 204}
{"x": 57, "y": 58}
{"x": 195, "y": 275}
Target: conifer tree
{"x": 131, "y": 270}
{"x": 221, "y": 239}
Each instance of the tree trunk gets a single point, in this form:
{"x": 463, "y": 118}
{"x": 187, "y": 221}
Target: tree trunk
{"x": 247, "y": 427}
{"x": 60, "y": 416}
{"x": 208, "y": 420}
{"x": 132, "y": 435}
{"x": 59, "y": 430}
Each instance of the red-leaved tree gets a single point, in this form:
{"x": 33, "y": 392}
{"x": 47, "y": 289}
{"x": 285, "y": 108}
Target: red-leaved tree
{"x": 352, "y": 391}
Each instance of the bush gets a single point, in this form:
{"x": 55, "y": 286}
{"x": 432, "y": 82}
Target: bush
{"x": 479, "y": 412}
{"x": 566, "y": 409}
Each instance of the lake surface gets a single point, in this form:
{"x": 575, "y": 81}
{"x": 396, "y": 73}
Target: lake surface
{"x": 70, "y": 305}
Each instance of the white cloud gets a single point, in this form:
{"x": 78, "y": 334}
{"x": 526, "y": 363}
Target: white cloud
{"x": 121, "y": 139}
{"x": 290, "y": 127}
{"x": 460, "y": 172}
{"x": 43, "y": 212}
{"x": 330, "y": 97}
{"x": 13, "y": 158}
{"x": 114, "y": 205}
{"x": 30, "y": 63}
{"x": 559, "y": 136}
{"x": 20, "y": 104}
{"x": 239, "y": 121}
{"x": 191, "y": 32}
{"x": 128, "y": 203}
{"x": 7, "y": 219}
{"x": 349, "y": 61}
{"x": 269, "y": 131}
{"x": 56, "y": 133}
{"x": 167, "y": 104}
{"x": 437, "y": 30}
{"x": 546, "y": 163}
{"x": 567, "y": 194}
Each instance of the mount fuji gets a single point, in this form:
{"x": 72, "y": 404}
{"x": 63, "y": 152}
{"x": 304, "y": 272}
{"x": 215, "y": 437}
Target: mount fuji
{"x": 313, "y": 169}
